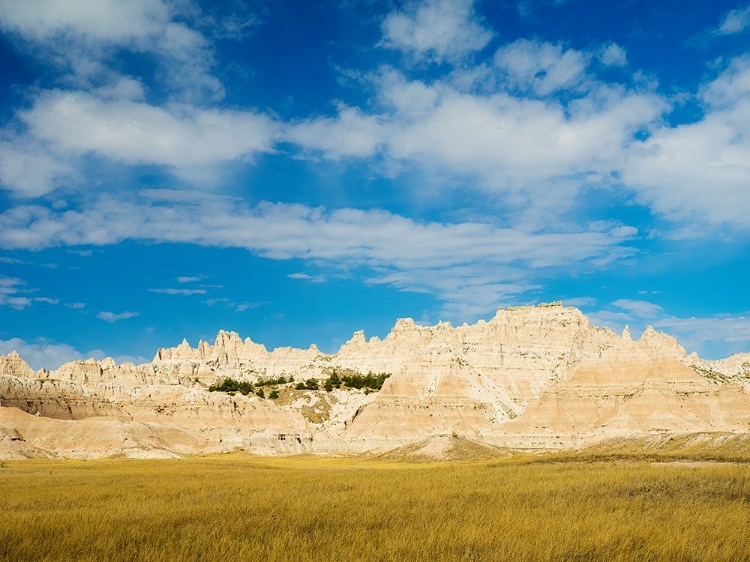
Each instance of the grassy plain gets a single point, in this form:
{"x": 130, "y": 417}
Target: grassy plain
{"x": 238, "y": 507}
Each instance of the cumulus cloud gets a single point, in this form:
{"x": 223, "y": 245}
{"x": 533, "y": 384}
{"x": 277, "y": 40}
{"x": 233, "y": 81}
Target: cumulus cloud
{"x": 436, "y": 30}
{"x": 513, "y": 137}
{"x": 42, "y": 353}
{"x": 535, "y": 153}
{"x": 183, "y": 139}
{"x": 45, "y": 354}
{"x": 114, "y": 317}
{"x": 541, "y": 68}
{"x": 699, "y": 172}
{"x": 31, "y": 170}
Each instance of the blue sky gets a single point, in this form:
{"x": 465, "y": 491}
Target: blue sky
{"x": 295, "y": 171}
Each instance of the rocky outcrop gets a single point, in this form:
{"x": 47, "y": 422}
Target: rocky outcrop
{"x": 534, "y": 377}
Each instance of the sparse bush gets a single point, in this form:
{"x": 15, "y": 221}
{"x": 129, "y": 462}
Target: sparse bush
{"x": 260, "y": 393}
{"x": 274, "y": 394}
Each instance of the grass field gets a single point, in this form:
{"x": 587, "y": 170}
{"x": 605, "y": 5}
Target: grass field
{"x": 237, "y": 507}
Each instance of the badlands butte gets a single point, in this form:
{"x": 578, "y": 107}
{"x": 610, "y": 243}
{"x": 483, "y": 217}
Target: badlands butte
{"x": 531, "y": 378}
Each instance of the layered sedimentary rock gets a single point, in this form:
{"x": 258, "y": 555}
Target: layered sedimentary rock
{"x": 531, "y": 377}
{"x": 634, "y": 387}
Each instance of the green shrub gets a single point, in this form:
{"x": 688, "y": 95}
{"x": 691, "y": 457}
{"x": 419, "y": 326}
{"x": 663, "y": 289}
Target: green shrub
{"x": 274, "y": 394}
{"x": 232, "y": 385}
{"x": 274, "y": 381}
{"x": 352, "y": 379}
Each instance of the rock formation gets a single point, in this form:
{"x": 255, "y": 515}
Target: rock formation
{"x": 531, "y": 378}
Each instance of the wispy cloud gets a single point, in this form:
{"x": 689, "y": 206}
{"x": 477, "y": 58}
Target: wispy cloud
{"x": 114, "y": 317}
{"x": 11, "y": 293}
{"x": 439, "y": 258}
{"x": 248, "y": 306}
{"x": 187, "y": 279}
{"x": 712, "y": 336}
{"x": 736, "y": 21}
{"x": 186, "y": 292}
{"x": 642, "y": 309}
{"x": 307, "y": 277}
{"x": 580, "y": 301}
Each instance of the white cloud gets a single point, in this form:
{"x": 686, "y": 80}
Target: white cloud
{"x": 46, "y": 300}
{"x": 730, "y": 87}
{"x": 436, "y": 30}
{"x": 104, "y": 20}
{"x": 613, "y": 54}
{"x": 45, "y": 354}
{"x": 186, "y": 140}
{"x": 713, "y": 337}
{"x": 114, "y": 317}
{"x": 42, "y": 353}
{"x": 538, "y": 153}
{"x": 580, "y": 301}
{"x": 134, "y": 359}
{"x": 186, "y": 292}
{"x": 717, "y": 336}
{"x": 458, "y": 262}
{"x": 187, "y": 279}
{"x": 29, "y": 170}
{"x": 641, "y": 309}
{"x": 541, "y": 68}
{"x": 697, "y": 173}
{"x": 351, "y": 133}
{"x": 84, "y": 34}
{"x": 736, "y": 21}
{"x": 10, "y": 287}
{"x": 307, "y": 277}
{"x": 535, "y": 153}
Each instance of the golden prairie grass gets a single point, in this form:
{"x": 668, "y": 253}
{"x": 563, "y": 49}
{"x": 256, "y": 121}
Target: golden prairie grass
{"x": 238, "y": 507}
